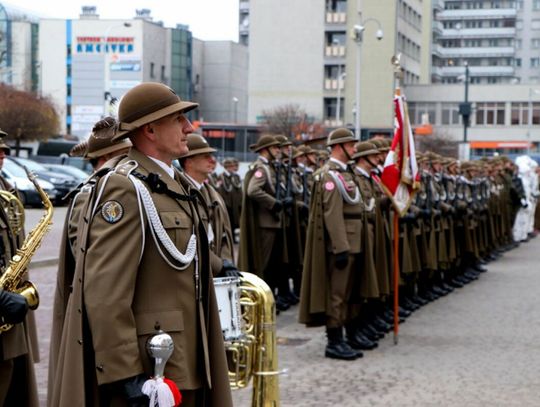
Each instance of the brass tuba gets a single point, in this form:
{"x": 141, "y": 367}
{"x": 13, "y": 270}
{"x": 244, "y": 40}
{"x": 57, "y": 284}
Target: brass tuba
{"x": 13, "y": 277}
{"x": 254, "y": 356}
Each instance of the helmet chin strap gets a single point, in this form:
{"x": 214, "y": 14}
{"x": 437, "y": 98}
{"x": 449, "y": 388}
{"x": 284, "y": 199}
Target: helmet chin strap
{"x": 349, "y": 158}
{"x": 370, "y": 163}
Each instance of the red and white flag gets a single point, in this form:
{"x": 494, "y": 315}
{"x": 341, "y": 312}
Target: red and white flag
{"x": 400, "y": 177}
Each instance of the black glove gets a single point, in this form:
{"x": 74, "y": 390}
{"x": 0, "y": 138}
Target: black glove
{"x": 229, "y": 269}
{"x": 131, "y": 389}
{"x": 13, "y": 307}
{"x": 426, "y": 213}
{"x": 288, "y": 202}
{"x": 342, "y": 259}
{"x": 278, "y": 207}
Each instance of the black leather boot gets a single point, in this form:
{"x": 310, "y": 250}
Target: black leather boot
{"x": 357, "y": 341}
{"x": 337, "y": 348}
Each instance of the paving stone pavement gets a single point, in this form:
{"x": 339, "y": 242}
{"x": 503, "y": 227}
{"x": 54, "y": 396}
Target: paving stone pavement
{"x": 475, "y": 347}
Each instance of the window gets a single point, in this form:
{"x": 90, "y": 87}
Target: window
{"x": 536, "y": 5}
{"x": 489, "y": 114}
{"x": 450, "y": 113}
{"x": 535, "y": 24}
{"x": 418, "y": 110}
{"x": 519, "y": 24}
{"x": 535, "y": 62}
{"x": 152, "y": 73}
{"x": 535, "y": 43}
{"x": 519, "y": 114}
{"x": 518, "y": 44}
{"x": 517, "y": 62}
{"x": 162, "y": 72}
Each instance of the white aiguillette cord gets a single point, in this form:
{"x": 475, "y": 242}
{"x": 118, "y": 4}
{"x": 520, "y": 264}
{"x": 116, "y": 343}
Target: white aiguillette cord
{"x": 158, "y": 231}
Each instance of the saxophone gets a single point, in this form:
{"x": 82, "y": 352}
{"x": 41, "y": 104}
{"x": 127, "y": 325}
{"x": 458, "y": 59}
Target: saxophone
{"x": 13, "y": 277}
{"x": 255, "y": 355}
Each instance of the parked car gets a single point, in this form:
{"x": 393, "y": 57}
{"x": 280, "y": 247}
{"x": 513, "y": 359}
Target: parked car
{"x": 62, "y": 183}
{"x": 17, "y": 177}
{"x": 70, "y": 170}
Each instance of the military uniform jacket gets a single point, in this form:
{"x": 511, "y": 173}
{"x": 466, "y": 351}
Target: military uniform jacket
{"x": 21, "y": 339}
{"x": 329, "y": 231}
{"x": 261, "y": 190}
{"x": 231, "y": 190}
{"x": 127, "y": 290}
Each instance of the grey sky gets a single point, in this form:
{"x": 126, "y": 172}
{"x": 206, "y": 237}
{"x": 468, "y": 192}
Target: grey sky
{"x": 207, "y": 19}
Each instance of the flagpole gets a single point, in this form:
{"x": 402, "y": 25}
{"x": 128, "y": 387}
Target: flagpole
{"x": 398, "y": 73}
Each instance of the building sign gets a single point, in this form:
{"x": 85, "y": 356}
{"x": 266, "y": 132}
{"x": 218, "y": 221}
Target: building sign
{"x": 126, "y": 66}
{"x": 119, "y": 84}
{"x": 98, "y": 45}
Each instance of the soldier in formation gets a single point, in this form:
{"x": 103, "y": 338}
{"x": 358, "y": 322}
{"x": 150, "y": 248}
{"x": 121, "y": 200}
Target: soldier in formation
{"x": 18, "y": 345}
{"x": 143, "y": 264}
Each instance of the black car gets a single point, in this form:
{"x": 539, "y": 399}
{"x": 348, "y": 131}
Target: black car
{"x": 62, "y": 183}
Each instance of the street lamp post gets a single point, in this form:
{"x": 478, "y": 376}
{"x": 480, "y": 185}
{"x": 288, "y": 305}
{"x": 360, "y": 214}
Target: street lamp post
{"x": 106, "y": 91}
{"x": 358, "y": 34}
{"x": 235, "y": 101}
{"x": 341, "y": 76}
{"x": 465, "y": 107}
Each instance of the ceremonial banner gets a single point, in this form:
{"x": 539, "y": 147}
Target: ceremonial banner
{"x": 400, "y": 176}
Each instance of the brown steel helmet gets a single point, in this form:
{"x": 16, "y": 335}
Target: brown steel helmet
{"x": 146, "y": 103}
{"x": 197, "y": 144}
{"x": 340, "y": 136}
{"x": 265, "y": 141}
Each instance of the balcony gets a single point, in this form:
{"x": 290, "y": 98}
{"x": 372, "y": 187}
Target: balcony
{"x": 437, "y": 27}
{"x": 476, "y": 70}
{"x": 472, "y": 52}
{"x": 336, "y": 18}
{"x": 244, "y": 6}
{"x": 438, "y": 5}
{"x": 332, "y": 84}
{"x": 506, "y": 32}
{"x": 477, "y": 14}
{"x": 334, "y": 51}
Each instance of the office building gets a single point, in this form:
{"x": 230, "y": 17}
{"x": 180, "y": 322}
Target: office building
{"x": 89, "y": 63}
{"x": 19, "y": 64}
{"x": 312, "y": 59}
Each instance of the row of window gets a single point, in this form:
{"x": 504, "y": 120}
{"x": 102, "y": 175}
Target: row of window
{"x": 408, "y": 47}
{"x": 454, "y": 5}
{"x": 478, "y": 61}
{"x": 410, "y": 15}
{"x": 336, "y": 6}
{"x": 478, "y": 43}
{"x": 457, "y": 24}
{"x": 484, "y": 113}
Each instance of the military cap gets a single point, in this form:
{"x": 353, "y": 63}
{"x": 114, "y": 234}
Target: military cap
{"x": 146, "y": 103}
{"x": 380, "y": 144}
{"x": 3, "y": 145}
{"x": 79, "y": 150}
{"x": 323, "y": 154}
{"x": 340, "y": 136}
{"x": 197, "y": 144}
{"x": 227, "y": 161}
{"x": 264, "y": 141}
{"x": 283, "y": 140}
{"x": 363, "y": 149}
{"x": 303, "y": 150}
{"x": 102, "y": 142}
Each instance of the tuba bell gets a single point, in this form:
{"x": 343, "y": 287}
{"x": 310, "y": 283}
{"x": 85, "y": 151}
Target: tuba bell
{"x": 252, "y": 356}
{"x": 14, "y": 210}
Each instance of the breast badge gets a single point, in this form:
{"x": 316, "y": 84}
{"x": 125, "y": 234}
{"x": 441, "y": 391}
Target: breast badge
{"x": 112, "y": 211}
{"x": 329, "y": 186}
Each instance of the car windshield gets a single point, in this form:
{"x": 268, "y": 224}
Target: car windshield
{"x": 31, "y": 165}
{"x": 14, "y": 169}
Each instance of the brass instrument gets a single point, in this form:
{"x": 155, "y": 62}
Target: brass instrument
{"x": 255, "y": 354}
{"x": 15, "y": 211}
{"x": 12, "y": 279}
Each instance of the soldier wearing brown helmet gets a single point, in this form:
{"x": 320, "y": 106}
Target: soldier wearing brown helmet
{"x": 142, "y": 266}
{"x": 261, "y": 221}
{"x": 333, "y": 243}
{"x": 197, "y": 165}
{"x": 101, "y": 151}
{"x": 18, "y": 346}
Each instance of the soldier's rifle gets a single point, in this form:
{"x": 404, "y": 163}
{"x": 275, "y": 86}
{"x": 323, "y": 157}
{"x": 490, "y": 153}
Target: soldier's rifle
{"x": 289, "y": 198}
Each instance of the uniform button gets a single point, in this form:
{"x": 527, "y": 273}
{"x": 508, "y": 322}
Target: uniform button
{"x": 177, "y": 221}
{"x": 157, "y": 326}
{"x": 79, "y": 341}
{"x": 79, "y": 310}
{"x": 99, "y": 368}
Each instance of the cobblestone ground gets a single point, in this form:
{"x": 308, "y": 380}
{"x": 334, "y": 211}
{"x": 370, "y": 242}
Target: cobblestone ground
{"x": 475, "y": 347}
